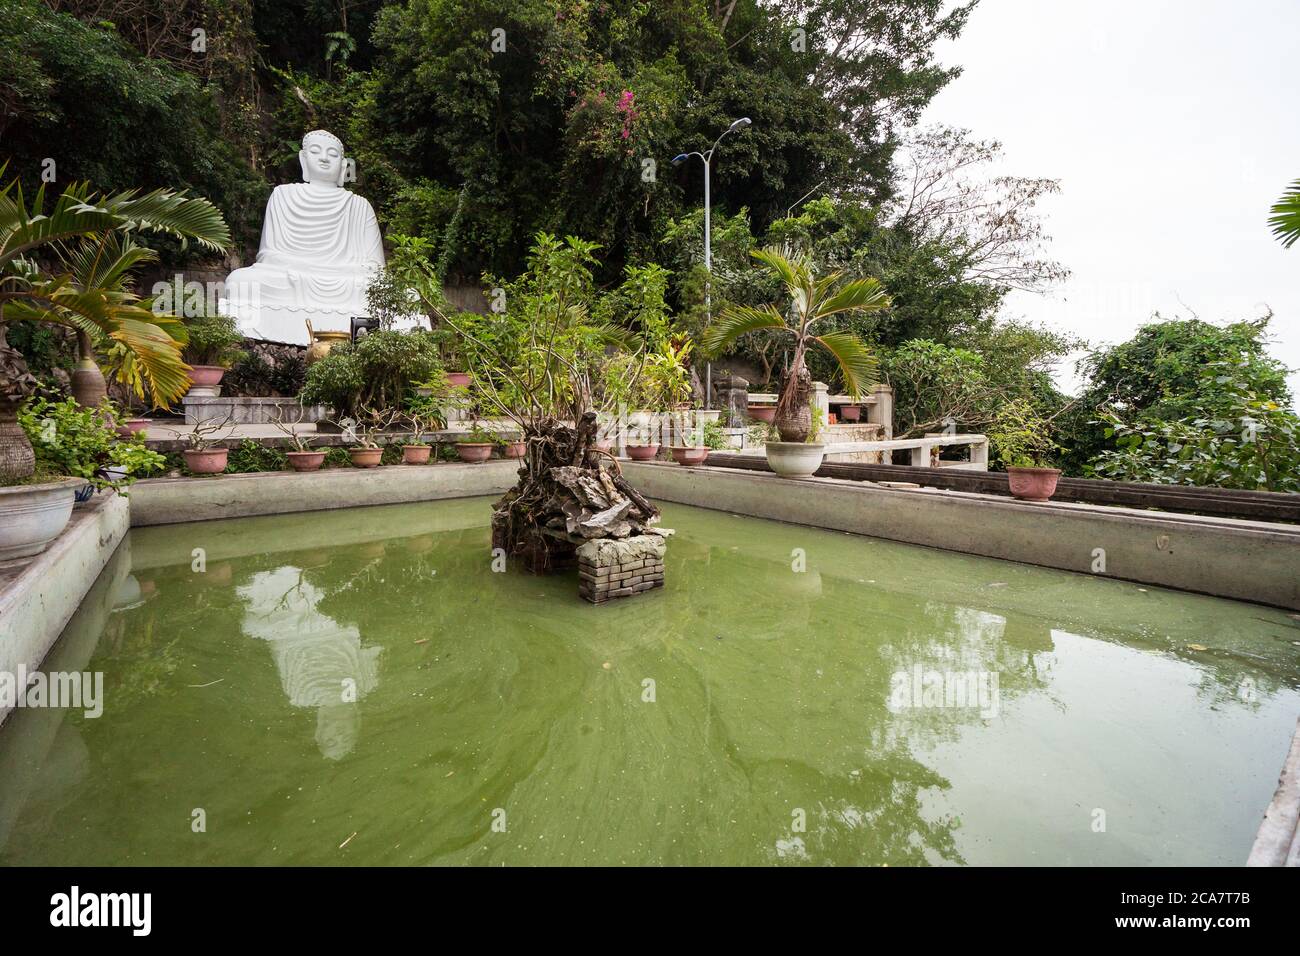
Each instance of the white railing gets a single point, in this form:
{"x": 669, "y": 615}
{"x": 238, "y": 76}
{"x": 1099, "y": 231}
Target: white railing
{"x": 921, "y": 450}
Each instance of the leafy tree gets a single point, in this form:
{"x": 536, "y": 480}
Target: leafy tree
{"x": 555, "y": 128}
{"x": 78, "y": 94}
{"x": 1250, "y": 442}
{"x": 1159, "y": 377}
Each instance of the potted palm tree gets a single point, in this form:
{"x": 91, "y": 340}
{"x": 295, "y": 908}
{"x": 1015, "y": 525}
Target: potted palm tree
{"x": 85, "y": 245}
{"x": 813, "y": 301}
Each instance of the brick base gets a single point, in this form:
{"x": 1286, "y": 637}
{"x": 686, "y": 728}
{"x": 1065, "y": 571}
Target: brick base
{"x": 609, "y": 569}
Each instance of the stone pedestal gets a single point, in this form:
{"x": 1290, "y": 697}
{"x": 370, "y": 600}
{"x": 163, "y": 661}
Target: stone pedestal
{"x": 246, "y": 411}
{"x": 610, "y": 568}
{"x": 731, "y": 393}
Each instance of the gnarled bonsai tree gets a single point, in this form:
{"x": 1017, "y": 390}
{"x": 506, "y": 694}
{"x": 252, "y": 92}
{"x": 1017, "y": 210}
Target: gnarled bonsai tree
{"x": 70, "y": 264}
{"x": 812, "y": 301}
{"x": 550, "y": 361}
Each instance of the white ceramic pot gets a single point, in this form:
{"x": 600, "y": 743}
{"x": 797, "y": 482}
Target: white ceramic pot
{"x": 794, "y": 459}
{"x": 32, "y": 516}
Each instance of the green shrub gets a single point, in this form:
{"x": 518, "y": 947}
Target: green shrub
{"x": 337, "y": 457}
{"x": 212, "y": 341}
{"x": 1250, "y": 441}
{"x": 69, "y": 439}
{"x": 376, "y": 372}
{"x": 252, "y": 456}
{"x": 1021, "y": 437}
{"x": 715, "y": 438}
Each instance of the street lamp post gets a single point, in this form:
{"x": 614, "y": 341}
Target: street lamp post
{"x": 707, "y": 158}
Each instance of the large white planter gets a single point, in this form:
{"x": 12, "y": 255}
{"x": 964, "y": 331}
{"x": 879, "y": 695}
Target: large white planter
{"x": 791, "y": 459}
{"x": 31, "y": 516}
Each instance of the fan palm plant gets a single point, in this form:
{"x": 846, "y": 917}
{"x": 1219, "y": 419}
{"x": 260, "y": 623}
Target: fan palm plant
{"x": 69, "y": 263}
{"x": 813, "y": 300}
{"x": 1285, "y": 216}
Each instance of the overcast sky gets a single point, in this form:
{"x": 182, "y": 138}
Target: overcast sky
{"x": 1172, "y": 124}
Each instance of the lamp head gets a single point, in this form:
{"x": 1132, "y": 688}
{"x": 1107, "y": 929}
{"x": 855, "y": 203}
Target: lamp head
{"x": 739, "y": 124}
{"x": 679, "y": 159}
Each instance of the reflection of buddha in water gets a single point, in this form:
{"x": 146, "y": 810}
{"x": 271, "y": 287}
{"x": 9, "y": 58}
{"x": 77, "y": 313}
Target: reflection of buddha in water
{"x": 321, "y": 663}
{"x": 320, "y": 248}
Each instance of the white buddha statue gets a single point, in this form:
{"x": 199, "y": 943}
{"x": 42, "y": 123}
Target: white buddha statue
{"x": 320, "y": 249}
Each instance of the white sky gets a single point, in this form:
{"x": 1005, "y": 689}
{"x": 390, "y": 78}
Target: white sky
{"x": 1173, "y": 125}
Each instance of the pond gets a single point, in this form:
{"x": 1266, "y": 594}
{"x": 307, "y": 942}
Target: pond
{"x": 360, "y": 687}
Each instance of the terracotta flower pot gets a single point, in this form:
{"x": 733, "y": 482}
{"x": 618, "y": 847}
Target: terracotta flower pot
{"x": 516, "y": 449}
{"x": 762, "y": 413}
{"x": 473, "y": 451}
{"x": 415, "y": 454}
{"x": 132, "y": 425}
{"x": 305, "y": 460}
{"x": 851, "y": 413}
{"x": 1033, "y": 484}
{"x": 458, "y": 379}
{"x": 208, "y": 461}
{"x": 690, "y": 455}
{"x": 206, "y": 375}
{"x": 365, "y": 457}
{"x": 642, "y": 452}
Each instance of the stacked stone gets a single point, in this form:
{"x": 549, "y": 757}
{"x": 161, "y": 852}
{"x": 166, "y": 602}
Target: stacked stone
{"x": 611, "y": 568}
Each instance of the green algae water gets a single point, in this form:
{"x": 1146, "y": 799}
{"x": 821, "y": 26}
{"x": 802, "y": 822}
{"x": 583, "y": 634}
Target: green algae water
{"x": 359, "y": 687}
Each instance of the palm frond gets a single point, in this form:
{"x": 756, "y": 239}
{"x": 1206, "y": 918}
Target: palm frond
{"x": 857, "y": 363}
{"x": 866, "y": 295}
{"x": 734, "y": 322}
{"x": 156, "y": 354}
{"x": 1285, "y": 216}
{"x": 776, "y": 260}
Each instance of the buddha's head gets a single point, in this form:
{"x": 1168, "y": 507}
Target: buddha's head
{"x": 322, "y": 158}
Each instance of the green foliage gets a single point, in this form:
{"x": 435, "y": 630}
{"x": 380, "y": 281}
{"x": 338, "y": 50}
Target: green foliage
{"x": 212, "y": 340}
{"x": 253, "y": 376}
{"x": 376, "y": 372}
{"x": 1250, "y": 441}
{"x": 551, "y": 353}
{"x": 1158, "y": 376}
{"x": 78, "y": 93}
{"x": 552, "y": 132}
{"x": 337, "y": 457}
{"x": 1021, "y": 437}
{"x": 665, "y": 383}
{"x": 962, "y": 386}
{"x": 813, "y": 301}
{"x": 83, "y": 442}
{"x": 251, "y": 456}
{"x": 479, "y": 434}
{"x": 714, "y": 437}
{"x": 1284, "y": 217}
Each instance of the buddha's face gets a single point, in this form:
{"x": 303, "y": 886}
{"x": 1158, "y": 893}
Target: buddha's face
{"x": 322, "y": 162}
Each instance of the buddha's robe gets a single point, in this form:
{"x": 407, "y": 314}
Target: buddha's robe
{"x": 320, "y": 249}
